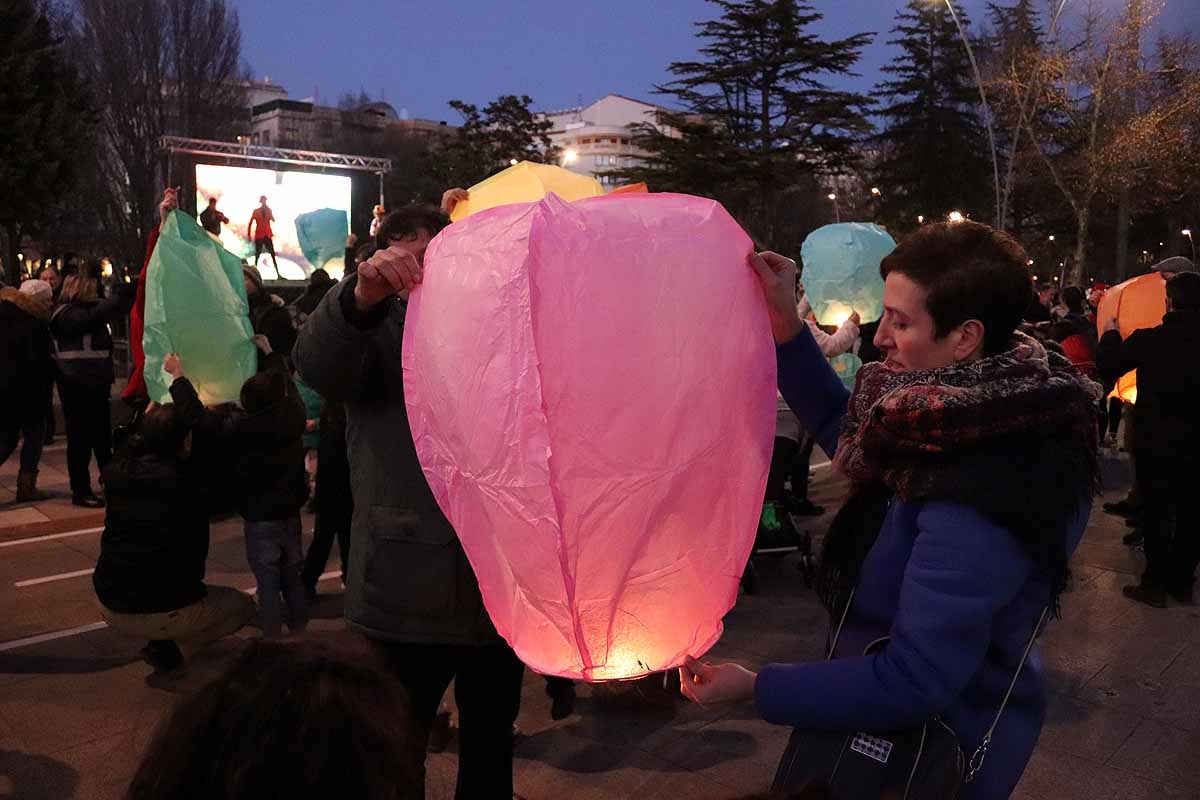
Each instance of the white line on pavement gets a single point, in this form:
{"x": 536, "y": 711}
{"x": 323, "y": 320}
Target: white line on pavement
{"x": 52, "y": 578}
{"x": 94, "y": 626}
{"x": 48, "y": 537}
{"x": 822, "y": 465}
{"x": 49, "y": 637}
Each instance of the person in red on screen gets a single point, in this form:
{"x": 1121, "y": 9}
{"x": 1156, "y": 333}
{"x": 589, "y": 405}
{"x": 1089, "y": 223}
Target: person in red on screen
{"x": 259, "y": 231}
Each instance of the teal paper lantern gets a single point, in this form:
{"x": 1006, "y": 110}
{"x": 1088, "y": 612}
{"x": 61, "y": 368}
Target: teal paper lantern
{"x": 322, "y": 235}
{"x": 196, "y": 307}
{"x": 841, "y": 271}
{"x": 846, "y": 366}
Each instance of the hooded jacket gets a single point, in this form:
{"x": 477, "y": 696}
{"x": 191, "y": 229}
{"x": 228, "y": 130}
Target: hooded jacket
{"x": 267, "y": 318}
{"x": 26, "y": 369}
{"x": 156, "y": 532}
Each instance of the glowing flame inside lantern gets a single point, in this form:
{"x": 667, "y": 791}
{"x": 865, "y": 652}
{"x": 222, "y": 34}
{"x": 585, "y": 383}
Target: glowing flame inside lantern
{"x": 608, "y": 537}
{"x": 840, "y": 314}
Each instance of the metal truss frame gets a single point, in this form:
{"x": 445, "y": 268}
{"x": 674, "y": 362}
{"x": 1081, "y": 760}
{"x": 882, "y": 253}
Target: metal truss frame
{"x": 276, "y": 155}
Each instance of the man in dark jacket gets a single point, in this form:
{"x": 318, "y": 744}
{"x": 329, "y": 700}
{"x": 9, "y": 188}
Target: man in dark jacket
{"x": 268, "y": 318}
{"x": 411, "y": 590}
{"x": 1166, "y": 438}
{"x": 27, "y": 373}
{"x": 211, "y": 219}
{"x": 161, "y": 489}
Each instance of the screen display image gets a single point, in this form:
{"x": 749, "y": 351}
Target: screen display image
{"x": 311, "y": 211}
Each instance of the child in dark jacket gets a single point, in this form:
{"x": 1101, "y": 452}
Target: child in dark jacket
{"x": 272, "y": 488}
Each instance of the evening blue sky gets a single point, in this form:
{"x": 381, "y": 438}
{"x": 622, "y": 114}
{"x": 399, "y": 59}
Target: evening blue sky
{"x": 419, "y": 55}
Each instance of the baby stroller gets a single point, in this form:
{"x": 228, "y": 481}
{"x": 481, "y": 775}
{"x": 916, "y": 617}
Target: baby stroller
{"x": 778, "y": 531}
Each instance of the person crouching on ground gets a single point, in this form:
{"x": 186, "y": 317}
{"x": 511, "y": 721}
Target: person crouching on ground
{"x": 150, "y": 575}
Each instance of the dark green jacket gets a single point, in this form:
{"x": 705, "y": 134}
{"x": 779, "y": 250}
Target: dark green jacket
{"x": 409, "y": 579}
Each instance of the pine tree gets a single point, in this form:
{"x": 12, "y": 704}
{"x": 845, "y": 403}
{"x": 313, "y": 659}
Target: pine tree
{"x": 46, "y": 116}
{"x": 490, "y": 139}
{"x": 759, "y": 116}
{"x": 933, "y": 155}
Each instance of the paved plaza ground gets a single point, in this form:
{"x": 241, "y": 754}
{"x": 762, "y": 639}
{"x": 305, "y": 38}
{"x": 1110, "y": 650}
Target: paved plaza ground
{"x": 76, "y": 713}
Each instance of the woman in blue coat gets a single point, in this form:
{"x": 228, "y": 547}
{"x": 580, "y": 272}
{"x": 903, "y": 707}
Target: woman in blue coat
{"x": 971, "y": 451}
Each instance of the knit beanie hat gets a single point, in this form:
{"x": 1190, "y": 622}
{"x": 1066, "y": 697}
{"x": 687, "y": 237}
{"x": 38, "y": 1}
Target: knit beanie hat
{"x": 39, "y": 290}
{"x": 256, "y": 278}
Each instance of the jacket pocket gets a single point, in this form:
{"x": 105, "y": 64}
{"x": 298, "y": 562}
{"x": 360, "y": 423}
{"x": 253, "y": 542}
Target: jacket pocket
{"x": 412, "y": 569}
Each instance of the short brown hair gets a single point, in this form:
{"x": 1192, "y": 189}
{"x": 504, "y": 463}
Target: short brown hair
{"x": 968, "y": 271}
{"x": 405, "y": 222}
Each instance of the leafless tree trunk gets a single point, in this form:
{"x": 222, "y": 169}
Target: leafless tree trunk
{"x": 158, "y": 67}
{"x": 1124, "y": 211}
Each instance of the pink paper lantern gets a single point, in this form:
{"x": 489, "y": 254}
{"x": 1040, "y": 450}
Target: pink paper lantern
{"x": 591, "y": 390}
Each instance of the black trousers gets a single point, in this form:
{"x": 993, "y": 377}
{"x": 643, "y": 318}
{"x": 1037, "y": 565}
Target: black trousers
{"x": 51, "y": 425}
{"x": 265, "y": 244}
{"x": 1170, "y": 490}
{"x": 88, "y": 417}
{"x": 487, "y": 690}
{"x": 333, "y": 521}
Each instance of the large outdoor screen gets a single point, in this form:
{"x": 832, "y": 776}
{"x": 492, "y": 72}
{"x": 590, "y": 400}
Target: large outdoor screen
{"x": 312, "y": 213}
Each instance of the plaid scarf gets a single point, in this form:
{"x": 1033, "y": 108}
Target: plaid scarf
{"x": 1012, "y": 435}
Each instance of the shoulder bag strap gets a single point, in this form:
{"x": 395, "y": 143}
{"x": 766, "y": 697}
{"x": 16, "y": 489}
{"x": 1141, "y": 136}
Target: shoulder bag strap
{"x": 837, "y": 634}
{"x": 980, "y": 754}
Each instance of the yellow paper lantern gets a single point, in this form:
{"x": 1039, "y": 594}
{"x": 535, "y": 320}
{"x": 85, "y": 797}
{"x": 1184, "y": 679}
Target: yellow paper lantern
{"x": 526, "y": 182}
{"x": 1137, "y": 303}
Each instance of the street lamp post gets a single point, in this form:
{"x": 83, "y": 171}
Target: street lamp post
{"x": 837, "y": 213}
{"x": 987, "y": 112}
{"x": 1188, "y": 233}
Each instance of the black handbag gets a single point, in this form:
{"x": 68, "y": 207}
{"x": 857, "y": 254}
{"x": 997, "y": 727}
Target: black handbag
{"x": 921, "y": 763}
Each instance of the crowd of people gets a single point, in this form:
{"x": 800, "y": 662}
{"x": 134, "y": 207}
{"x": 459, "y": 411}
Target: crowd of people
{"x": 971, "y": 439}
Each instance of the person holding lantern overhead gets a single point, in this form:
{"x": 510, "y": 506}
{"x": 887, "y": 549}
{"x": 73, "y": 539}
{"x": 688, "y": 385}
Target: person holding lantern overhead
{"x": 411, "y": 590}
{"x": 972, "y": 456}
{"x": 1166, "y": 439}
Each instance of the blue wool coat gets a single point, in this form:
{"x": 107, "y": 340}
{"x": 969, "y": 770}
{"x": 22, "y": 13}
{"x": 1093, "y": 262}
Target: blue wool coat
{"x": 957, "y": 594}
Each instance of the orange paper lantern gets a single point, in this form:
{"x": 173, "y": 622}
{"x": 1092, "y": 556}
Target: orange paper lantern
{"x": 1137, "y": 303}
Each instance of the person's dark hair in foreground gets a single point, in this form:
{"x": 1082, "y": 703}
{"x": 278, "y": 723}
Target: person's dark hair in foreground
{"x": 300, "y": 721}
{"x": 1184, "y": 291}
{"x": 407, "y": 221}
